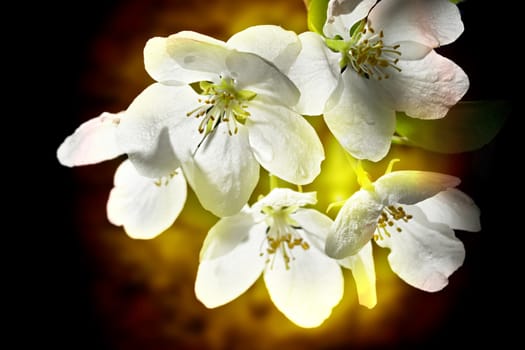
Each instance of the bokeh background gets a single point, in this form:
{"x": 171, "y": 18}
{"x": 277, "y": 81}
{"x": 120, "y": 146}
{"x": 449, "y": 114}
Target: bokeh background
{"x": 92, "y": 287}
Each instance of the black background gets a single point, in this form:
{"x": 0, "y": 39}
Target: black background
{"x": 47, "y": 272}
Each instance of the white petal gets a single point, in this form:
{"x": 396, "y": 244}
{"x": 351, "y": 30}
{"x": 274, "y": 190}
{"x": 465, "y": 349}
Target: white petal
{"x": 316, "y": 225}
{"x": 424, "y": 254}
{"x": 195, "y": 57}
{"x": 227, "y": 234}
{"x": 363, "y": 270}
{"x": 187, "y": 34}
{"x": 412, "y": 186}
{"x": 184, "y": 132}
{"x": 190, "y": 58}
{"x": 343, "y": 14}
{"x": 354, "y": 225}
{"x": 452, "y": 208}
{"x": 163, "y": 68}
{"x": 144, "y": 133}
{"x": 271, "y": 42}
{"x": 284, "y": 143}
{"x": 359, "y": 119}
{"x": 92, "y": 142}
{"x": 158, "y": 63}
{"x": 230, "y": 260}
{"x": 285, "y": 197}
{"x": 411, "y": 50}
{"x": 429, "y": 22}
{"x": 144, "y": 206}
{"x": 313, "y": 222}
{"x": 307, "y": 291}
{"x": 223, "y": 172}
{"x": 428, "y": 87}
{"x": 255, "y": 74}
{"x": 315, "y": 72}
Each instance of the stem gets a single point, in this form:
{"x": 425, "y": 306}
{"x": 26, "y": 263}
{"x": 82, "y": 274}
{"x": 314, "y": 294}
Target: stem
{"x": 363, "y": 179}
{"x": 274, "y": 181}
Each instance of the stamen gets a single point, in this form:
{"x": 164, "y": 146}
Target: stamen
{"x": 387, "y": 220}
{"x": 221, "y": 103}
{"x": 368, "y": 55}
{"x": 165, "y": 180}
{"x": 282, "y": 235}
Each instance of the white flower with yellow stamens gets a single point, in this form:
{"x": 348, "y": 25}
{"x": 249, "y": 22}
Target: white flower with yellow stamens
{"x": 374, "y": 58}
{"x": 225, "y": 112}
{"x": 414, "y": 213}
{"x": 144, "y": 206}
{"x": 280, "y": 239}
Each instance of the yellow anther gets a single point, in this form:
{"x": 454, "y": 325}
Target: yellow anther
{"x": 388, "y": 218}
{"x": 165, "y": 180}
{"x": 282, "y": 234}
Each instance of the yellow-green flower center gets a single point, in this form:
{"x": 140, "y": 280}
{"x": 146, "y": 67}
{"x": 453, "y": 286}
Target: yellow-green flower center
{"x": 366, "y": 53}
{"x": 281, "y": 234}
{"x": 221, "y": 102}
{"x": 387, "y": 220}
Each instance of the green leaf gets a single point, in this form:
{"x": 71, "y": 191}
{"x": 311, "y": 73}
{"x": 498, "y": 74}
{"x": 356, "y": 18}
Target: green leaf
{"x": 468, "y": 126}
{"x": 317, "y": 15}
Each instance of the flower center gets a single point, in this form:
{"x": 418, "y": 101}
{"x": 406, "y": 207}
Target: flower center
{"x": 387, "y": 220}
{"x": 282, "y": 235}
{"x": 366, "y": 53}
{"x": 221, "y": 103}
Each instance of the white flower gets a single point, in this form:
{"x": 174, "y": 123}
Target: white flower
{"x": 284, "y": 242}
{"x": 225, "y": 112}
{"x": 144, "y": 206}
{"x": 376, "y": 58}
{"x": 414, "y": 213}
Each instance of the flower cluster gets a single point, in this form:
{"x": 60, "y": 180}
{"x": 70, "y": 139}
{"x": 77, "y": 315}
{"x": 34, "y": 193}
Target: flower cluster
{"x": 219, "y": 111}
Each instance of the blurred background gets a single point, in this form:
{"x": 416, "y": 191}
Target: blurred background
{"x": 91, "y": 287}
